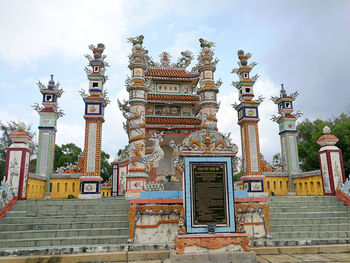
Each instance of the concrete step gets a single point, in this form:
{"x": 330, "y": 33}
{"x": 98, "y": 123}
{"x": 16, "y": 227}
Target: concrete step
{"x": 116, "y": 257}
{"x": 300, "y": 198}
{"x": 314, "y": 234}
{"x": 310, "y": 228}
{"x": 308, "y": 221}
{"x": 14, "y": 213}
{"x": 281, "y": 242}
{"x": 304, "y": 204}
{"x": 308, "y": 209}
{"x": 321, "y": 214}
{"x": 64, "y": 241}
{"x": 73, "y": 201}
{"x": 60, "y": 207}
{"x": 60, "y": 219}
{"x": 60, "y": 225}
{"x": 29, "y": 234}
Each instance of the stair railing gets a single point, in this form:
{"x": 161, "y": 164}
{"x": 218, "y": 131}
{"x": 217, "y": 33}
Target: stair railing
{"x": 343, "y": 192}
{"x": 7, "y": 197}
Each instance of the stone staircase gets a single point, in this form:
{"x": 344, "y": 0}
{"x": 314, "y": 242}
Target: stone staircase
{"x": 56, "y": 223}
{"x": 307, "y": 220}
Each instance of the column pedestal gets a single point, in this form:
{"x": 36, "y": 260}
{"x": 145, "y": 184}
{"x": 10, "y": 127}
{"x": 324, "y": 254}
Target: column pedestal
{"x": 90, "y": 187}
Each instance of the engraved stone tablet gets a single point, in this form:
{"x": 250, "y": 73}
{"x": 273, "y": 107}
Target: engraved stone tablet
{"x": 209, "y": 193}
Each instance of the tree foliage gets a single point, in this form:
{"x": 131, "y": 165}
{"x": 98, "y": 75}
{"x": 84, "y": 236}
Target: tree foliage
{"x": 310, "y": 131}
{"x": 6, "y": 129}
{"x": 68, "y": 154}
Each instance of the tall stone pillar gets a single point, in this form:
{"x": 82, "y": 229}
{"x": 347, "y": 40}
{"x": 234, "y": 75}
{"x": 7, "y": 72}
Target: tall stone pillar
{"x": 208, "y": 88}
{"x": 49, "y": 114}
{"x": 248, "y": 118}
{"x": 288, "y": 134}
{"x": 135, "y": 115}
{"x": 331, "y": 162}
{"x": 17, "y": 162}
{"x": 95, "y": 103}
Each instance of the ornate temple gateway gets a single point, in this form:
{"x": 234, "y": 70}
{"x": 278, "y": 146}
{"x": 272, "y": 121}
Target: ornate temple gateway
{"x": 176, "y": 170}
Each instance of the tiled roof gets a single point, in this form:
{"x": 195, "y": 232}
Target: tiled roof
{"x": 170, "y": 73}
{"x": 289, "y": 116}
{"x": 172, "y": 97}
{"x": 47, "y": 110}
{"x": 179, "y": 121}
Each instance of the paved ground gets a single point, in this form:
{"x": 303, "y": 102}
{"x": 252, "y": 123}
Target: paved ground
{"x": 291, "y": 258}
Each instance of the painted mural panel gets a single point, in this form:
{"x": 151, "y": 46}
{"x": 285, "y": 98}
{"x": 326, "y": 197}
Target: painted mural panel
{"x": 93, "y": 109}
{"x": 256, "y": 186}
{"x": 243, "y": 151}
{"x": 336, "y": 169}
{"x": 168, "y": 88}
{"x": 185, "y": 89}
{"x": 122, "y": 180}
{"x": 44, "y": 153}
{"x": 325, "y": 174}
{"x": 284, "y": 153}
{"x": 293, "y": 154}
{"x": 90, "y": 187}
{"x": 14, "y": 169}
{"x": 149, "y": 110}
{"x": 25, "y": 177}
{"x": 253, "y": 149}
{"x": 186, "y": 111}
{"x": 90, "y": 167}
{"x": 167, "y": 110}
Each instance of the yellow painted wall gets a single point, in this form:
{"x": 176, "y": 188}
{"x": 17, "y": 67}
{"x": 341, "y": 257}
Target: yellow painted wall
{"x": 35, "y": 189}
{"x": 311, "y": 185}
{"x": 106, "y": 192}
{"x": 276, "y": 185}
{"x": 62, "y": 187}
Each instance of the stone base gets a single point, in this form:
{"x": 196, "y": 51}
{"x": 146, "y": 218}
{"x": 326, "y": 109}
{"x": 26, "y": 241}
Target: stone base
{"x": 232, "y": 257}
{"x": 258, "y": 195}
{"x": 89, "y": 196}
{"x": 211, "y": 243}
{"x": 132, "y": 195}
{"x": 292, "y": 194}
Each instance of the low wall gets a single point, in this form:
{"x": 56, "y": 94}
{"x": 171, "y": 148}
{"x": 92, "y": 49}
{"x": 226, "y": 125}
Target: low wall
{"x": 35, "y": 187}
{"x": 308, "y": 183}
{"x": 159, "y": 220}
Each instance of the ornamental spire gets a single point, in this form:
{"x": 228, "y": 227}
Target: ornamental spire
{"x": 245, "y": 83}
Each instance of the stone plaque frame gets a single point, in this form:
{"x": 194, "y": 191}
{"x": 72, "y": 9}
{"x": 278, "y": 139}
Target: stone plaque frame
{"x": 191, "y": 227}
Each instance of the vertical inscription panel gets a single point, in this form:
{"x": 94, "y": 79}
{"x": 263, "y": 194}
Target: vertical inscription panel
{"x": 209, "y": 193}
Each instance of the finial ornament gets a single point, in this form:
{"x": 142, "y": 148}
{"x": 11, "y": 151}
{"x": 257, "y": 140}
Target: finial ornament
{"x": 138, "y": 40}
{"x": 97, "y": 51}
{"x": 206, "y": 43}
{"x": 21, "y": 126}
{"x": 326, "y": 130}
{"x": 283, "y": 91}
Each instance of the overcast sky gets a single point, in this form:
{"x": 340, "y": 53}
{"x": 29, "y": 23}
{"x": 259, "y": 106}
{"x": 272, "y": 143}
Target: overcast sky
{"x": 303, "y": 44}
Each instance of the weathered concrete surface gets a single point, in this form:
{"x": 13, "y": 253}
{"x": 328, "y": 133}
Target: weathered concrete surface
{"x": 146, "y": 256}
{"x": 235, "y": 257}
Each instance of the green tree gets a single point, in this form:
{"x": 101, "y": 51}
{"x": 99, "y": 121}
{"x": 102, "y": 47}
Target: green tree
{"x": 310, "y": 131}
{"x": 6, "y": 129}
{"x": 67, "y": 154}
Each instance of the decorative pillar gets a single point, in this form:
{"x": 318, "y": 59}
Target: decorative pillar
{"x": 288, "y": 133}
{"x": 17, "y": 162}
{"x": 331, "y": 162}
{"x": 208, "y": 88}
{"x": 49, "y": 114}
{"x": 248, "y": 118}
{"x": 135, "y": 115}
{"x": 95, "y": 103}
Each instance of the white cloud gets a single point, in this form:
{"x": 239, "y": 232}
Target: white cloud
{"x": 35, "y": 29}
{"x": 70, "y": 133}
